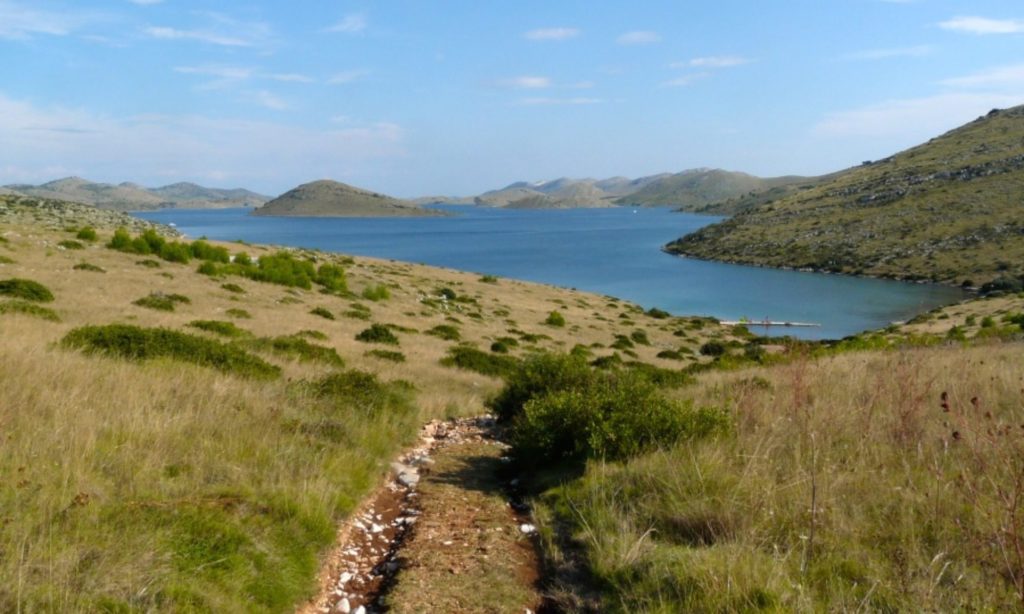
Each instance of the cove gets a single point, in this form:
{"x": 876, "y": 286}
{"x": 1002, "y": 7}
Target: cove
{"x": 616, "y": 252}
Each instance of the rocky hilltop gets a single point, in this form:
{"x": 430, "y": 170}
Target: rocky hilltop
{"x": 133, "y": 197}
{"x": 949, "y": 210}
{"x": 326, "y": 198}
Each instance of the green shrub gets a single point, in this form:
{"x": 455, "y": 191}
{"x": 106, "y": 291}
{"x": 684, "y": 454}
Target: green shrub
{"x": 472, "y": 359}
{"x": 29, "y": 309}
{"x": 332, "y": 278}
{"x": 658, "y": 314}
{"x": 622, "y": 342}
{"x": 323, "y": 312}
{"x": 161, "y": 301}
{"x": 283, "y": 269}
{"x": 555, "y": 319}
{"x": 71, "y": 244}
{"x": 137, "y": 343}
{"x": 121, "y": 241}
{"x": 375, "y": 293}
{"x": 87, "y": 234}
{"x": 204, "y": 251}
{"x": 377, "y": 333}
{"x": 489, "y": 279}
{"x": 364, "y": 392}
{"x": 499, "y": 347}
{"x": 445, "y": 331}
{"x": 241, "y": 314}
{"x": 388, "y": 355}
{"x": 670, "y": 355}
{"x": 175, "y": 252}
{"x": 25, "y": 289}
{"x": 640, "y": 336}
{"x": 85, "y": 266}
{"x": 536, "y": 376}
{"x": 713, "y": 348}
{"x": 617, "y": 416}
{"x": 447, "y": 293}
{"x": 987, "y": 322}
{"x": 298, "y": 348}
{"x": 312, "y": 334}
{"x": 242, "y": 259}
{"x": 6, "y": 259}
{"x": 233, "y": 288}
{"x": 219, "y": 327}
{"x": 148, "y": 263}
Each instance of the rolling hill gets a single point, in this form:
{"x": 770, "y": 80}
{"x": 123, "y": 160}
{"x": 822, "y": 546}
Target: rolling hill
{"x": 327, "y": 198}
{"x": 133, "y": 197}
{"x": 694, "y": 189}
{"x": 950, "y": 210}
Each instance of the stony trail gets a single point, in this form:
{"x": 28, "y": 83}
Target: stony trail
{"x": 441, "y": 535}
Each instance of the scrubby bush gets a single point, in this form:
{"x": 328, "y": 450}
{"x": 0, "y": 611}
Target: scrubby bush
{"x": 616, "y": 416}
{"x": 242, "y": 259}
{"x": 323, "y": 312}
{"x": 241, "y": 314}
{"x": 332, "y": 278}
{"x": 29, "y": 309}
{"x": 204, "y": 251}
{"x": 85, "y": 266}
{"x": 640, "y": 336}
{"x": 175, "y": 252}
{"x": 447, "y": 293}
{"x": 670, "y": 355}
{"x": 445, "y": 331}
{"x": 25, "y": 289}
{"x": 71, "y": 244}
{"x": 375, "y": 293}
{"x": 713, "y": 348}
{"x": 489, "y": 279}
{"x": 137, "y": 343}
{"x": 161, "y": 301}
{"x": 87, "y": 234}
{"x": 219, "y": 327}
{"x": 377, "y": 333}
{"x": 148, "y": 263}
{"x": 555, "y": 319}
{"x": 235, "y": 288}
{"x": 364, "y": 392}
{"x": 472, "y": 359}
{"x": 499, "y": 347}
{"x": 387, "y": 355}
{"x": 6, "y": 259}
{"x": 312, "y": 334}
{"x": 298, "y": 348}
{"x": 536, "y": 376}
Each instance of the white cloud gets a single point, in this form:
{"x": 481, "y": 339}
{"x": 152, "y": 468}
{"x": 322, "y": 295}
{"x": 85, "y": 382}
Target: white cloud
{"x": 41, "y": 143}
{"x": 552, "y": 34}
{"x": 539, "y": 101}
{"x": 526, "y": 82}
{"x": 350, "y": 24}
{"x": 912, "y": 120}
{"x": 268, "y": 100}
{"x": 638, "y": 37}
{"x": 19, "y": 22}
{"x": 717, "y": 61}
{"x": 233, "y": 73}
{"x": 983, "y": 25}
{"x": 347, "y": 76}
{"x": 1001, "y": 77}
{"x": 204, "y": 36}
{"x": 684, "y": 80}
{"x": 918, "y": 51}
{"x": 290, "y": 78}
{"x": 145, "y": 2}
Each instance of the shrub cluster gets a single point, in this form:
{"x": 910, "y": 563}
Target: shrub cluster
{"x": 283, "y": 269}
{"x": 445, "y": 331}
{"x": 161, "y": 301}
{"x": 555, "y": 319}
{"x": 378, "y": 292}
{"x": 87, "y": 234}
{"x": 377, "y": 333}
{"x": 364, "y": 392}
{"x": 25, "y": 289}
{"x": 219, "y": 327}
{"x": 29, "y": 309}
{"x": 485, "y": 363}
{"x": 87, "y": 266}
{"x": 295, "y": 346}
{"x": 137, "y": 343}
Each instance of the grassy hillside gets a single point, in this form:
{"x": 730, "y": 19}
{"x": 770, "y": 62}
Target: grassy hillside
{"x": 333, "y": 199}
{"x": 132, "y": 197}
{"x": 949, "y": 210}
{"x": 693, "y": 189}
{"x": 198, "y": 455}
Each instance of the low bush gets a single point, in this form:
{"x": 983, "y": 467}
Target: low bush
{"x": 219, "y": 327}
{"x": 242, "y": 258}
{"x": 713, "y": 348}
{"x": 364, "y": 392}
{"x": 6, "y": 259}
{"x": 161, "y": 301}
{"x": 241, "y": 314}
{"x": 25, "y": 289}
{"x": 555, "y": 319}
{"x": 148, "y": 263}
{"x": 640, "y": 336}
{"x": 296, "y": 347}
{"x": 87, "y": 233}
{"x": 332, "y": 278}
{"x": 472, "y": 359}
{"x": 85, "y": 266}
{"x": 387, "y": 355}
{"x": 29, "y": 309}
{"x": 376, "y": 293}
{"x": 489, "y": 279}
{"x": 235, "y": 288}
{"x": 537, "y": 376}
{"x": 499, "y": 347}
{"x": 445, "y": 331}
{"x": 137, "y": 343}
{"x": 658, "y": 314}
{"x": 202, "y": 250}
{"x": 71, "y": 244}
{"x": 377, "y": 333}
{"x": 323, "y": 312}
{"x": 312, "y": 334}
{"x": 615, "y": 417}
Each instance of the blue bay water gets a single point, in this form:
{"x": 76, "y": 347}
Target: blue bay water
{"x": 616, "y": 252}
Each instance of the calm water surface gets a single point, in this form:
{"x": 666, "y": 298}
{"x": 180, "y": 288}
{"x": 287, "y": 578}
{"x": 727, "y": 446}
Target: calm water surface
{"x": 608, "y": 251}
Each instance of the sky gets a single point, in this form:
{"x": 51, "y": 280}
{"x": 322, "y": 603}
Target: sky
{"x": 455, "y": 97}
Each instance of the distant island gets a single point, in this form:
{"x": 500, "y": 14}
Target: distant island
{"x": 326, "y": 198}
{"x": 949, "y": 210}
{"x": 133, "y": 197}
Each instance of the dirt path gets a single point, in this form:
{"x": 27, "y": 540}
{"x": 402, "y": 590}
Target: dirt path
{"x": 440, "y": 536}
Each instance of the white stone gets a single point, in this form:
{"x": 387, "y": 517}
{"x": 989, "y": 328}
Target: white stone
{"x": 527, "y": 528}
{"x": 345, "y": 577}
{"x": 360, "y": 610}
{"x": 343, "y": 606}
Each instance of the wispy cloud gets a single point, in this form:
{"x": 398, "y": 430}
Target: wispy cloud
{"x": 715, "y": 61}
{"x": 226, "y": 75}
{"x": 19, "y": 22}
{"x": 638, "y": 37}
{"x": 350, "y": 24}
{"x": 268, "y": 100}
{"x": 290, "y": 78}
{"x": 219, "y": 29}
{"x": 552, "y": 34}
{"x": 1000, "y": 77}
{"x": 983, "y": 25}
{"x": 685, "y": 80}
{"x": 526, "y": 82}
{"x": 918, "y": 51}
{"x": 145, "y": 2}
{"x": 204, "y": 36}
{"x": 541, "y": 101}
{"x": 347, "y": 76}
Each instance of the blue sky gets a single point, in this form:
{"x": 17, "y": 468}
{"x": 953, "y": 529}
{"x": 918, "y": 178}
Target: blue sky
{"x": 412, "y": 97}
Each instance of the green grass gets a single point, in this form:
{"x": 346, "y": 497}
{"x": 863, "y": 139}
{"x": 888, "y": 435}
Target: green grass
{"x": 25, "y": 289}
{"x": 86, "y": 266}
{"x": 137, "y": 343}
{"x": 388, "y": 355}
{"x": 220, "y": 327}
{"x": 161, "y": 302}
{"x": 555, "y": 319}
{"x": 240, "y": 314}
{"x": 298, "y": 348}
{"x": 29, "y": 309}
{"x": 445, "y": 331}
{"x": 87, "y": 233}
{"x": 377, "y": 333}
{"x": 71, "y": 244}
{"x": 485, "y": 363}
{"x": 233, "y": 288}
{"x": 376, "y": 293}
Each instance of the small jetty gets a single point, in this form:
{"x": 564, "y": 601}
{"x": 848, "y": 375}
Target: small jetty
{"x": 767, "y": 323}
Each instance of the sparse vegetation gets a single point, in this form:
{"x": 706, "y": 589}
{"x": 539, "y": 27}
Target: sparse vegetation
{"x": 389, "y": 355}
{"x": 219, "y": 327}
{"x": 241, "y": 314}
{"x": 445, "y": 331}
{"x": 71, "y": 244}
{"x": 85, "y": 266}
{"x": 88, "y": 233}
{"x": 472, "y": 359}
{"x": 376, "y": 292}
{"x": 296, "y": 347}
{"x": 233, "y": 288}
{"x": 377, "y": 333}
{"x": 161, "y": 301}
{"x": 29, "y": 309}
{"x": 555, "y": 319}
{"x": 323, "y": 312}
{"x": 26, "y": 290}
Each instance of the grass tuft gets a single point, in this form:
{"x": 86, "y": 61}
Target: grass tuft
{"x": 29, "y": 309}
{"x": 26, "y": 289}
